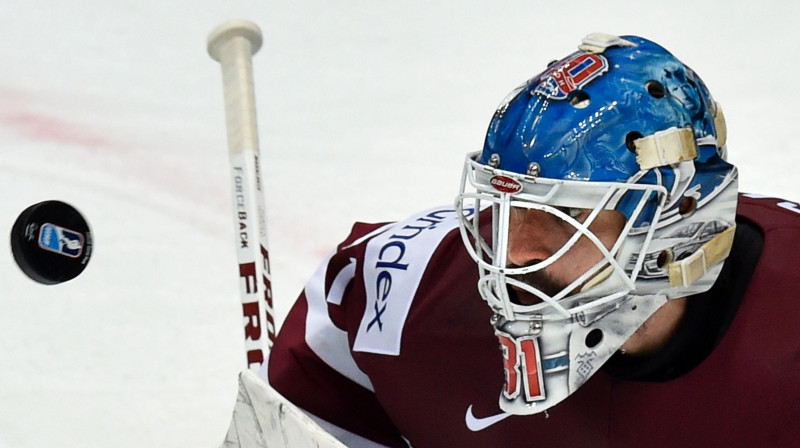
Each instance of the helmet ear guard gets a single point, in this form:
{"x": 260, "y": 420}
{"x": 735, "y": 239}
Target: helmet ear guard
{"x": 619, "y": 125}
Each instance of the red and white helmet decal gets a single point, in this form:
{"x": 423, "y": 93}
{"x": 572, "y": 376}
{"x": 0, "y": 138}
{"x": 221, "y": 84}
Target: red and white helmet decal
{"x": 505, "y": 184}
{"x": 572, "y": 74}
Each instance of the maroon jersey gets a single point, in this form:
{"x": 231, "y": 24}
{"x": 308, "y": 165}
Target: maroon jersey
{"x": 391, "y": 344}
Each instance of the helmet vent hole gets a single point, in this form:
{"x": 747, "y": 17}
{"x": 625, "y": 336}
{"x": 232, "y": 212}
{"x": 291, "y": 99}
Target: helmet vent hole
{"x": 655, "y": 89}
{"x": 594, "y": 338}
{"x": 688, "y": 206}
{"x": 579, "y": 99}
{"x": 664, "y": 258}
{"x": 630, "y": 139}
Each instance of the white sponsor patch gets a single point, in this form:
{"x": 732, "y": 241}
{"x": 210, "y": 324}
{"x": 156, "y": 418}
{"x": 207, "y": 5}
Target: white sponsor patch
{"x": 394, "y": 263}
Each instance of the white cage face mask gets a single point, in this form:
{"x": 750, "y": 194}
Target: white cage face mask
{"x": 571, "y": 269}
{"x": 556, "y": 247}
{"x": 557, "y": 262}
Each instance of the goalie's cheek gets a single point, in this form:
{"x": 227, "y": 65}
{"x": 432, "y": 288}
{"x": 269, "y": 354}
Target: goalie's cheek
{"x": 608, "y": 227}
{"x": 534, "y": 236}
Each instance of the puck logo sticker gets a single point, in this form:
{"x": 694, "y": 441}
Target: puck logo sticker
{"x": 60, "y": 240}
{"x": 51, "y": 242}
{"x": 505, "y": 184}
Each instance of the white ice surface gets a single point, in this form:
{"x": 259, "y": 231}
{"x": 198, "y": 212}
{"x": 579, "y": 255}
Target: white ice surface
{"x": 366, "y": 109}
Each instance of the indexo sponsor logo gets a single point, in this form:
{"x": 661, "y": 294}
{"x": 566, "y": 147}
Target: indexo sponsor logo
{"x": 505, "y": 184}
{"x": 392, "y": 259}
{"x": 394, "y": 264}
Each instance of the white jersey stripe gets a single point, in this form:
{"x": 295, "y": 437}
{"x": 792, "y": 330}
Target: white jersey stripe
{"x": 325, "y": 339}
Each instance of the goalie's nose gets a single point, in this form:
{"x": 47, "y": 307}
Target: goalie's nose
{"x": 533, "y": 236}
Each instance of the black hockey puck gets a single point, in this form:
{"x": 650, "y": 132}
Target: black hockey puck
{"x": 51, "y": 242}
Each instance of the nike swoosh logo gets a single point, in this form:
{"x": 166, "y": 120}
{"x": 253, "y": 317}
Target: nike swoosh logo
{"x": 476, "y": 424}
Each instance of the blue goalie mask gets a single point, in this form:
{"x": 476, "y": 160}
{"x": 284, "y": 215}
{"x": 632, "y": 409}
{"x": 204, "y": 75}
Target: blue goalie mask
{"x": 603, "y": 193}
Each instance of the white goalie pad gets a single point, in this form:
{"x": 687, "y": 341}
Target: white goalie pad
{"x": 262, "y": 418}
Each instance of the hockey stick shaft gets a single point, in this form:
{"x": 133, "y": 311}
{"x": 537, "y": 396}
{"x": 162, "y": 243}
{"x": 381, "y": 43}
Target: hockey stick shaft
{"x": 261, "y": 417}
{"x": 232, "y": 44}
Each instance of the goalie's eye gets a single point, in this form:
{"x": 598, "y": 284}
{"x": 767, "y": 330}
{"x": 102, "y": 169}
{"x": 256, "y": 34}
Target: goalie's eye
{"x": 575, "y": 213}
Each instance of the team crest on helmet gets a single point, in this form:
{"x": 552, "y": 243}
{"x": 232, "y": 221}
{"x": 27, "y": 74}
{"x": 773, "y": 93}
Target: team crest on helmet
{"x": 571, "y": 74}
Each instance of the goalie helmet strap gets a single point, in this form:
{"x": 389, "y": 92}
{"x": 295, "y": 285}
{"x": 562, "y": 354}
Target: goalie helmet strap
{"x": 687, "y": 271}
{"x": 720, "y": 126}
{"x": 598, "y": 42}
{"x": 666, "y": 147}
